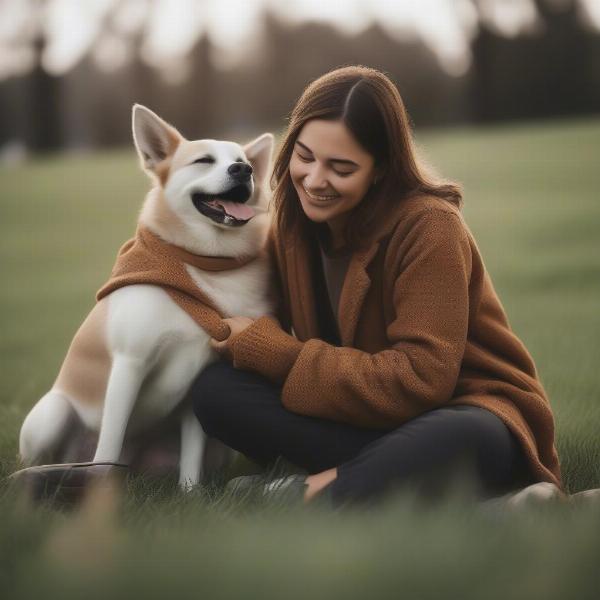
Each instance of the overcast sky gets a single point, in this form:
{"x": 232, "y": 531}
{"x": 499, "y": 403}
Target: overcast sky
{"x": 172, "y": 26}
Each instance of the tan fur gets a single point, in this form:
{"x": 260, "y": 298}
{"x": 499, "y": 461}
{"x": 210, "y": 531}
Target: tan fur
{"x": 85, "y": 370}
{"x": 159, "y": 216}
{"x": 163, "y": 170}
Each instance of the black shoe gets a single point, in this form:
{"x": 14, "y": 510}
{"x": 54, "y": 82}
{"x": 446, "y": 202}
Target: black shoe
{"x": 65, "y": 484}
{"x": 287, "y": 490}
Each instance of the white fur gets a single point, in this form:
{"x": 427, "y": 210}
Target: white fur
{"x": 157, "y": 349}
{"x": 44, "y": 427}
{"x": 245, "y": 294}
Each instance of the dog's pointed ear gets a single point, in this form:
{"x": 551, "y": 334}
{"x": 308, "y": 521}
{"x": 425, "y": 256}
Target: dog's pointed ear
{"x": 259, "y": 152}
{"x": 154, "y": 139}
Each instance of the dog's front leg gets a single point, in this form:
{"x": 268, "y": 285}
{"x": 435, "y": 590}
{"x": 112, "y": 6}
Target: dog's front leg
{"x": 193, "y": 440}
{"x": 124, "y": 383}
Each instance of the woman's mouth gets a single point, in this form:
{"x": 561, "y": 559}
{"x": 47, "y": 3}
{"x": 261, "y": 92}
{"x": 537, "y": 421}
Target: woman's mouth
{"x": 320, "y": 197}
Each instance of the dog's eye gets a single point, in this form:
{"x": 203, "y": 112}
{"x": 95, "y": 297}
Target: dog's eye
{"x": 209, "y": 160}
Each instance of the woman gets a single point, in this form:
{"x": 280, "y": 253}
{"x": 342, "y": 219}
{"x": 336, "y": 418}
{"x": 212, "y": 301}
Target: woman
{"x": 402, "y": 369}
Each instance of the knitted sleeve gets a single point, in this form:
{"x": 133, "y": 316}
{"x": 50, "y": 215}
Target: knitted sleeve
{"x": 431, "y": 266}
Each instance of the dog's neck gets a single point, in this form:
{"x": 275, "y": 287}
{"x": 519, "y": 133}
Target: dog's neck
{"x": 205, "y": 263}
{"x": 204, "y": 239}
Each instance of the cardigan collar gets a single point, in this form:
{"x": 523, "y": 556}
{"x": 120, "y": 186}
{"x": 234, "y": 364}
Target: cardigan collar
{"x": 301, "y": 282}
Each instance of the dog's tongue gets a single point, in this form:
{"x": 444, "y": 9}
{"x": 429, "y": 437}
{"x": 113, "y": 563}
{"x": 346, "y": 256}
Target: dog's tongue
{"x": 243, "y": 212}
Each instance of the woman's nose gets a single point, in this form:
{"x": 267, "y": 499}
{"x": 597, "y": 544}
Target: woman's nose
{"x": 315, "y": 179}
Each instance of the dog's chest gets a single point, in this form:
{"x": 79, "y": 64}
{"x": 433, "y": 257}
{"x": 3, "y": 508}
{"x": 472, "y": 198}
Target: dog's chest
{"x": 240, "y": 292}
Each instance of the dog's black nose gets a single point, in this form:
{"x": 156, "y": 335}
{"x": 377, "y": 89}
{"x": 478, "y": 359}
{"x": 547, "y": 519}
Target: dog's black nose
{"x": 240, "y": 171}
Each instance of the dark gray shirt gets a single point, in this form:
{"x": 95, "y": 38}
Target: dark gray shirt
{"x": 335, "y": 266}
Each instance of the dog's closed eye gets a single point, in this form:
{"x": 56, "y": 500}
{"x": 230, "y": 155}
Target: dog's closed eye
{"x": 205, "y": 160}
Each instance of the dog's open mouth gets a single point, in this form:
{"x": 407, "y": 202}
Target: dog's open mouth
{"x": 226, "y": 208}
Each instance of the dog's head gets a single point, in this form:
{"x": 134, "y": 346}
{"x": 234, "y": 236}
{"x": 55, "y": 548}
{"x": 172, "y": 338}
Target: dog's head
{"x": 203, "y": 182}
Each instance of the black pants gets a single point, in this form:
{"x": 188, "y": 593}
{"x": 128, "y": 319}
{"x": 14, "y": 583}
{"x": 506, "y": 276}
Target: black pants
{"x": 428, "y": 453}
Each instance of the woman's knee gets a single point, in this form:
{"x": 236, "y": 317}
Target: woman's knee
{"x": 462, "y": 425}
{"x": 227, "y": 400}
{"x": 209, "y": 394}
{"x": 497, "y": 454}
{"x": 434, "y": 450}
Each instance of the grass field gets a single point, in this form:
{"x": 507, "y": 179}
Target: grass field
{"x": 532, "y": 200}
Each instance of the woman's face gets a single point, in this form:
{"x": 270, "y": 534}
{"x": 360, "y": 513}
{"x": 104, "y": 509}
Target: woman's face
{"x": 330, "y": 171}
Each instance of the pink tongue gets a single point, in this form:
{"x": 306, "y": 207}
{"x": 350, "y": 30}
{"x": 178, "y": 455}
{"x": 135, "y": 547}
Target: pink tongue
{"x": 236, "y": 210}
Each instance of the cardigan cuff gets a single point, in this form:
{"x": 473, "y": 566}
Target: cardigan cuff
{"x": 265, "y": 348}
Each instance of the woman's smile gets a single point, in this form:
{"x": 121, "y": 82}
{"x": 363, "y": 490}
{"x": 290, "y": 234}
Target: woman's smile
{"x": 319, "y": 197}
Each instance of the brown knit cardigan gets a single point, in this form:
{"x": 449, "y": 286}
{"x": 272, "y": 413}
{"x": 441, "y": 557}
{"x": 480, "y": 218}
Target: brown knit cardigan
{"x": 421, "y": 326}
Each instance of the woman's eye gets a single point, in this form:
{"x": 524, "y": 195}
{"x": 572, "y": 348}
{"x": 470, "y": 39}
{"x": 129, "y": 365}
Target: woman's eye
{"x": 303, "y": 158}
{"x": 310, "y": 159}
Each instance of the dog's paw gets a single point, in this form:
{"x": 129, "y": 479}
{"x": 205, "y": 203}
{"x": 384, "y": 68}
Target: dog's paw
{"x": 187, "y": 484}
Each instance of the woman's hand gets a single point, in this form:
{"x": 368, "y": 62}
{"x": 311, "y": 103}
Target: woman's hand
{"x": 236, "y": 326}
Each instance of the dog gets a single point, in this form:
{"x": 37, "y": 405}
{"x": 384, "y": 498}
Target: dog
{"x": 197, "y": 258}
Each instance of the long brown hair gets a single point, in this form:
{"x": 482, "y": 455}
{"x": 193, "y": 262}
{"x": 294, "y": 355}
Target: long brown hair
{"x": 369, "y": 104}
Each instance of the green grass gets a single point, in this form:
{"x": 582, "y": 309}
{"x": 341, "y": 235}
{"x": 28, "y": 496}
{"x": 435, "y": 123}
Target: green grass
{"x": 532, "y": 201}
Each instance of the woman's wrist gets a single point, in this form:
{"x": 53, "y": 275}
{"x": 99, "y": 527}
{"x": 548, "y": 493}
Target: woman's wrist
{"x": 264, "y": 347}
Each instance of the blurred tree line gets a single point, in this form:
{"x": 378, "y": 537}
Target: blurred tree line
{"x": 550, "y": 72}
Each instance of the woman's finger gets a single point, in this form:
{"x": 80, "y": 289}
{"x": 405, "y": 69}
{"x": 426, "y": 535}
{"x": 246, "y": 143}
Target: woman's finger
{"x": 216, "y": 345}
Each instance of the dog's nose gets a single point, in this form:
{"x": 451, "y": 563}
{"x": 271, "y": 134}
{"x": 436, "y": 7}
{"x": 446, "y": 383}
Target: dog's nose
{"x": 240, "y": 171}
